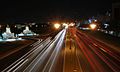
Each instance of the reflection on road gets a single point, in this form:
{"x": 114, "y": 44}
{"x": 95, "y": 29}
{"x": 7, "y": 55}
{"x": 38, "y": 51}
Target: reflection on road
{"x": 70, "y": 51}
{"x": 41, "y": 58}
{"x": 98, "y": 56}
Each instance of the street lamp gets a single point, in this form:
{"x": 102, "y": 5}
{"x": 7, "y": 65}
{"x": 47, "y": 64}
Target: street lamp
{"x": 66, "y": 25}
{"x": 93, "y": 26}
{"x": 56, "y": 25}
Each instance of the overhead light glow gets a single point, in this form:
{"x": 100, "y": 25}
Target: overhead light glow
{"x": 66, "y": 25}
{"x": 93, "y": 26}
{"x": 72, "y": 24}
{"x": 57, "y": 25}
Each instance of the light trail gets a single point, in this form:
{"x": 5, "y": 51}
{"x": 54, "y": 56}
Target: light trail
{"x": 37, "y": 64}
{"x": 26, "y": 55}
{"x": 97, "y": 49}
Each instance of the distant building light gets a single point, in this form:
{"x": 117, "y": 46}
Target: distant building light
{"x": 109, "y": 14}
{"x": 90, "y": 21}
{"x": 15, "y": 26}
{"x": 106, "y": 25}
{"x": 36, "y": 26}
{"x": 33, "y": 23}
{"x": 111, "y": 32}
{"x": 95, "y": 20}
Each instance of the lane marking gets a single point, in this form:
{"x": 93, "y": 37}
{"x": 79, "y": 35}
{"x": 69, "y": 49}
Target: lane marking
{"x": 15, "y": 65}
{"x": 20, "y": 65}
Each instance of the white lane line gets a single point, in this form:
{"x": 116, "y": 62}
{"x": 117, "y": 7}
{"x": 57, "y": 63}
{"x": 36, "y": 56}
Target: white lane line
{"x": 37, "y": 60}
{"x": 20, "y": 65}
{"x": 40, "y": 57}
{"x": 52, "y": 55}
{"x": 15, "y": 65}
{"x": 64, "y": 56}
{"x": 28, "y": 53}
{"x": 58, "y": 49}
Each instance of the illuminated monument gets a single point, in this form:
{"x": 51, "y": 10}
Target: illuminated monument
{"x": 27, "y": 32}
{"x": 8, "y": 34}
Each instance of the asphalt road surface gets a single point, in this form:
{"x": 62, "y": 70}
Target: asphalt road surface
{"x": 41, "y": 58}
{"x": 83, "y": 53}
{"x": 70, "y": 51}
{"x": 71, "y": 60}
{"x": 95, "y": 56}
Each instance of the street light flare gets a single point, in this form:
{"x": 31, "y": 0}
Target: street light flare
{"x": 56, "y": 25}
{"x": 66, "y": 25}
{"x": 93, "y": 26}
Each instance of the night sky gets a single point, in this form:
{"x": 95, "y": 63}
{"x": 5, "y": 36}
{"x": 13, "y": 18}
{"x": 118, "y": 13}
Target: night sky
{"x": 47, "y": 8}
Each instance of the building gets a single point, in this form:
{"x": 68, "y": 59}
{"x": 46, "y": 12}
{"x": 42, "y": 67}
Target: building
{"x": 116, "y": 11}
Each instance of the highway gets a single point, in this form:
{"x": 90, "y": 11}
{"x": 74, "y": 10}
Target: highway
{"x": 70, "y": 50}
{"x": 83, "y": 53}
{"x": 71, "y": 60}
{"x": 41, "y": 58}
{"x": 95, "y": 55}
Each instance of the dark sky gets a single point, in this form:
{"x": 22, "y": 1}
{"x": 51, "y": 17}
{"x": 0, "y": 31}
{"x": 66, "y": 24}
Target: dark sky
{"x": 29, "y": 9}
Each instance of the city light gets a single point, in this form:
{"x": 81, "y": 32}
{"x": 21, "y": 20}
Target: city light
{"x": 11, "y": 40}
{"x": 95, "y": 20}
{"x": 93, "y": 26}
{"x": 56, "y": 25}
{"x": 72, "y": 24}
{"x": 66, "y": 25}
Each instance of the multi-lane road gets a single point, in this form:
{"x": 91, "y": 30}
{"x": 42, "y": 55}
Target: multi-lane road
{"x": 95, "y": 56}
{"x": 69, "y": 51}
{"x": 42, "y": 56}
{"x": 84, "y": 53}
